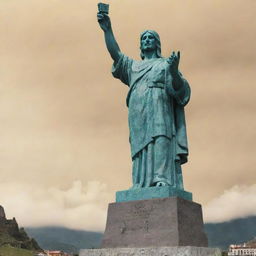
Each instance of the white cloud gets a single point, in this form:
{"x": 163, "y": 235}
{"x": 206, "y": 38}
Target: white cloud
{"x": 237, "y": 202}
{"x": 85, "y": 206}
{"x": 78, "y": 207}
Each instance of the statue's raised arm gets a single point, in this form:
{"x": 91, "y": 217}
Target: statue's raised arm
{"x": 112, "y": 46}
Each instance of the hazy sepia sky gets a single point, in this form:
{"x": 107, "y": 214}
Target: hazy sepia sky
{"x": 64, "y": 147}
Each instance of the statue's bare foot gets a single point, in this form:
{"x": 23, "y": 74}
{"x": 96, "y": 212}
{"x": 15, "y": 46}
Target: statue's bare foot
{"x": 161, "y": 184}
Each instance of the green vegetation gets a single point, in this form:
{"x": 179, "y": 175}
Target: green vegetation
{"x": 22, "y": 241}
{"x": 6, "y": 239}
{"x": 8, "y": 250}
{"x": 14, "y": 241}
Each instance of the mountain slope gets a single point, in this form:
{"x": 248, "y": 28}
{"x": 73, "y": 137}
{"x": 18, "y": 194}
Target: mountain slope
{"x": 232, "y": 232}
{"x": 68, "y": 240}
{"x": 13, "y": 236}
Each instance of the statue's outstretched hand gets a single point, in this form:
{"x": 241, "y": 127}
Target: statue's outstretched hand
{"x": 173, "y": 61}
{"x": 104, "y": 21}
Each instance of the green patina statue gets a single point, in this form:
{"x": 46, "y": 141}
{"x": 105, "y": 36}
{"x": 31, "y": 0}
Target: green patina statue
{"x": 156, "y": 99}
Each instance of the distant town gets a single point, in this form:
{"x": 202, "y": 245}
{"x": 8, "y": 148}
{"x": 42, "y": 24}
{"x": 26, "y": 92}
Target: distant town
{"x": 248, "y": 248}
{"x": 53, "y": 253}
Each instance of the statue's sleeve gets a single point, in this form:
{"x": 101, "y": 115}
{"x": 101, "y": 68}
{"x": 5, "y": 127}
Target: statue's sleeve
{"x": 182, "y": 95}
{"x": 122, "y": 69}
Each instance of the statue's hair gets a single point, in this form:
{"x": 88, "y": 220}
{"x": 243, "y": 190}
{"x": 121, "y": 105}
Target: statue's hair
{"x": 158, "y": 45}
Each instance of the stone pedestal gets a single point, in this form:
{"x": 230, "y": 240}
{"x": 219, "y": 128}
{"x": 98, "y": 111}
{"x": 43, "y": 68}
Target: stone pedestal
{"x": 160, "y": 222}
{"x": 153, "y": 251}
{"x": 170, "y": 226}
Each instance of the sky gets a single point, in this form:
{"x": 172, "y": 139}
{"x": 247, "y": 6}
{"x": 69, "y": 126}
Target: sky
{"x": 64, "y": 148}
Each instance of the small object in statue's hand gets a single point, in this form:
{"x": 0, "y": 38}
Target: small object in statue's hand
{"x": 103, "y": 8}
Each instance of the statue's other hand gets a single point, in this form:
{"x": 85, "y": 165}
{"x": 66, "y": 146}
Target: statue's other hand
{"x": 174, "y": 61}
{"x": 104, "y": 21}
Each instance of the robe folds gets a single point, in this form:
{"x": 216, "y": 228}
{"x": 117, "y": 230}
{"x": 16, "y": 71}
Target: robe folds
{"x": 156, "y": 114}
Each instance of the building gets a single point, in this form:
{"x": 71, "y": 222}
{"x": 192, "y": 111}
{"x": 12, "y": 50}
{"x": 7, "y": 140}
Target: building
{"x": 246, "y": 249}
{"x": 56, "y": 253}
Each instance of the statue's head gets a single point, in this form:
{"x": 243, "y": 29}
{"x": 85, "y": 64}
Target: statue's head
{"x": 150, "y": 40}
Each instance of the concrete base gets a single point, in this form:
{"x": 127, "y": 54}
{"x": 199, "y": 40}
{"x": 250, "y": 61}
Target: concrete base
{"x": 160, "y": 222}
{"x": 154, "y": 251}
{"x": 150, "y": 193}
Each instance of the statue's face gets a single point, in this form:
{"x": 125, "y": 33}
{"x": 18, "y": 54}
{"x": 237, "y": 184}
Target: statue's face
{"x": 148, "y": 42}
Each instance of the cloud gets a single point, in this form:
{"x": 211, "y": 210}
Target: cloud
{"x": 85, "y": 206}
{"x": 78, "y": 207}
{"x": 237, "y": 202}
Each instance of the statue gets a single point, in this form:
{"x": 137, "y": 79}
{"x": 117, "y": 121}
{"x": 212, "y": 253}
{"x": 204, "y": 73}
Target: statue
{"x": 156, "y": 99}
{"x": 156, "y": 212}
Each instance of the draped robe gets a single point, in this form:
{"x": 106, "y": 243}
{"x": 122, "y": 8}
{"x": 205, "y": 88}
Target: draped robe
{"x": 156, "y": 120}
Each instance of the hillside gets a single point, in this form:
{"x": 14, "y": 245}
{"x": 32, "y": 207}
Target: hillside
{"x": 219, "y": 234}
{"x": 232, "y": 232}
{"x": 12, "y": 251}
{"x": 68, "y": 240}
{"x": 11, "y": 236}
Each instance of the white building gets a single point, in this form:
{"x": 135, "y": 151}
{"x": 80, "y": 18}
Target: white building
{"x": 244, "y": 249}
